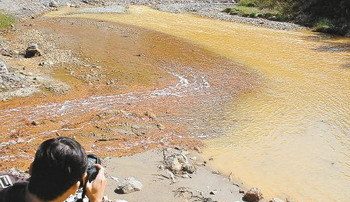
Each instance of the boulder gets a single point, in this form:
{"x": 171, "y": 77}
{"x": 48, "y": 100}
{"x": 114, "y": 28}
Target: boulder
{"x": 32, "y": 51}
{"x": 253, "y": 195}
{"x": 129, "y": 185}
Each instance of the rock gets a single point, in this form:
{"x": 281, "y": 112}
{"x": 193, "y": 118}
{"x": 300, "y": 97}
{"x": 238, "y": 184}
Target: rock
{"x": 3, "y": 68}
{"x": 213, "y": 192}
{"x": 46, "y": 63}
{"x": 197, "y": 149}
{"x": 253, "y": 195}
{"x": 32, "y": 51}
{"x": 178, "y": 162}
{"x": 34, "y": 123}
{"x": 160, "y": 126}
{"x": 277, "y": 200}
{"x": 150, "y": 115}
{"x": 175, "y": 165}
{"x": 7, "y": 52}
{"x": 129, "y": 185}
{"x": 53, "y": 4}
{"x": 189, "y": 168}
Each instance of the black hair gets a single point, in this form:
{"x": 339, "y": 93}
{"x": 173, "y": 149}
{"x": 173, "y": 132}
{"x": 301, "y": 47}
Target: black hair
{"x": 59, "y": 163}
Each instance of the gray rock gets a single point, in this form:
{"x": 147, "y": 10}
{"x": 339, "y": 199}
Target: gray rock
{"x": 253, "y": 195}
{"x": 3, "y": 68}
{"x": 175, "y": 165}
{"x": 189, "y": 168}
{"x": 129, "y": 185}
{"x": 178, "y": 163}
{"x": 32, "y": 51}
{"x": 53, "y": 4}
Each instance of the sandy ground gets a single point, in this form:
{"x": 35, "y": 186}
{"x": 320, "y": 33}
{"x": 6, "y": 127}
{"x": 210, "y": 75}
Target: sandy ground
{"x": 157, "y": 188}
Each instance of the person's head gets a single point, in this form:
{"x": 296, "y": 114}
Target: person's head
{"x": 59, "y": 165}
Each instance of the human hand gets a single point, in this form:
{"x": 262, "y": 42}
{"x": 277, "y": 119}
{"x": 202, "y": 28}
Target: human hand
{"x": 95, "y": 189}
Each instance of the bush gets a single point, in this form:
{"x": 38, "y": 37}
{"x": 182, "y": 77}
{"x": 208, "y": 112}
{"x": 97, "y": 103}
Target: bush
{"x": 324, "y": 25}
{"x": 331, "y": 16}
{"x": 6, "y": 21}
{"x": 254, "y": 12}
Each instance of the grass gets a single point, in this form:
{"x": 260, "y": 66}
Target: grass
{"x": 6, "y": 21}
{"x": 324, "y": 25}
{"x": 250, "y": 10}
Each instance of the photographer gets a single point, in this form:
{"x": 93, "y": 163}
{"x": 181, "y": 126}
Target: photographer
{"x": 58, "y": 171}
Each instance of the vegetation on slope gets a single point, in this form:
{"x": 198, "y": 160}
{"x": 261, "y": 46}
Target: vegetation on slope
{"x": 6, "y": 21}
{"x": 329, "y": 16}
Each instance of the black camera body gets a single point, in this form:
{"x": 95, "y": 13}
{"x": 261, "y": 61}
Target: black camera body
{"x": 91, "y": 169}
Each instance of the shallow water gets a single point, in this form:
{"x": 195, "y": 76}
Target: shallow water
{"x": 292, "y": 134}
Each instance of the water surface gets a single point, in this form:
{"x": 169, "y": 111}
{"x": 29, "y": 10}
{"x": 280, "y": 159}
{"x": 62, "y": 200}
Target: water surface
{"x": 292, "y": 134}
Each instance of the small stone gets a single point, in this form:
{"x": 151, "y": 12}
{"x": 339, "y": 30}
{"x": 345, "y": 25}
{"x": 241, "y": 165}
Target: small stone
{"x": 160, "y": 126}
{"x": 175, "y": 165}
{"x": 189, "y": 168}
{"x": 35, "y": 123}
{"x": 128, "y": 186}
{"x": 3, "y": 68}
{"x": 53, "y": 4}
{"x": 32, "y": 51}
{"x": 253, "y": 195}
{"x": 197, "y": 149}
{"x": 277, "y": 200}
{"x": 215, "y": 172}
{"x": 213, "y": 192}
{"x": 46, "y": 63}
{"x": 150, "y": 115}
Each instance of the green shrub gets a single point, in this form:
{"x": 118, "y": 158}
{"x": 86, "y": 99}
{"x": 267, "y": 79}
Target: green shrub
{"x": 324, "y": 25}
{"x": 247, "y": 3}
{"x": 6, "y": 21}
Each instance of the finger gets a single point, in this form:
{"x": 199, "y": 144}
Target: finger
{"x": 98, "y": 166}
{"x": 88, "y": 186}
{"x": 101, "y": 171}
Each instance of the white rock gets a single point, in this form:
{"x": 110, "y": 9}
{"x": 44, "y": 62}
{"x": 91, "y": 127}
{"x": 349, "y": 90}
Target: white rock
{"x": 129, "y": 185}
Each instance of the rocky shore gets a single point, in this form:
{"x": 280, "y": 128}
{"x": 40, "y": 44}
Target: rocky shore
{"x": 212, "y": 9}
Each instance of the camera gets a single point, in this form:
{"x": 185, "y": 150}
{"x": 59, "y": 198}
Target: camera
{"x": 91, "y": 168}
{"x": 91, "y": 176}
